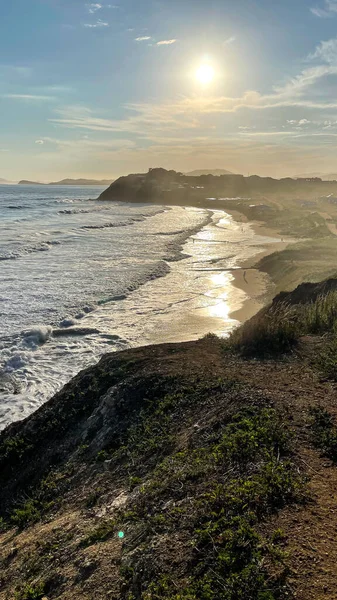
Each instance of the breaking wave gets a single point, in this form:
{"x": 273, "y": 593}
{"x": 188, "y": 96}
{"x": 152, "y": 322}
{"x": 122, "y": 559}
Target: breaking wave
{"x": 23, "y": 251}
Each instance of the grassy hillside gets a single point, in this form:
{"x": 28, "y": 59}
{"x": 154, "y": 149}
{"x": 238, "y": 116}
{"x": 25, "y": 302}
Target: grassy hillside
{"x": 196, "y": 471}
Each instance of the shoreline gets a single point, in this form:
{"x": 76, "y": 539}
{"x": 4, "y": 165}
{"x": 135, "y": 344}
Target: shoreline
{"x": 257, "y": 285}
{"x": 206, "y": 292}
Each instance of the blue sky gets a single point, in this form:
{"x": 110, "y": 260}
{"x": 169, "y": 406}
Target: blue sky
{"x": 98, "y": 89}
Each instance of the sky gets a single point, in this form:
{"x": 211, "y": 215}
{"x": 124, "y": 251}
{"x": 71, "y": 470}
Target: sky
{"x": 100, "y": 89}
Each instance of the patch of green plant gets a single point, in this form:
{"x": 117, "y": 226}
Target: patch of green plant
{"x": 102, "y": 455}
{"x": 220, "y": 493}
{"x": 151, "y": 436}
{"x": 103, "y": 532}
{"x": 31, "y": 591}
{"x": 278, "y": 536}
{"x": 324, "y": 432}
{"x": 93, "y": 498}
{"x": 83, "y": 448}
{"x": 43, "y": 498}
{"x": 27, "y": 514}
{"x": 13, "y": 448}
{"x": 327, "y": 360}
{"x": 134, "y": 481}
{"x": 3, "y": 525}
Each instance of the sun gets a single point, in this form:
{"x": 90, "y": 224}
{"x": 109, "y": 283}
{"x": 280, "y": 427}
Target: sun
{"x": 205, "y": 74}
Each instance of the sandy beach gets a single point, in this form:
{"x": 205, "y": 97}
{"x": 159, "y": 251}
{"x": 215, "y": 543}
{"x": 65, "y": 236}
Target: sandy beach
{"x": 221, "y": 290}
{"x": 257, "y": 285}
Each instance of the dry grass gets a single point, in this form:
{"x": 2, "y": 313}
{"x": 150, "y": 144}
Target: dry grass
{"x": 278, "y": 329}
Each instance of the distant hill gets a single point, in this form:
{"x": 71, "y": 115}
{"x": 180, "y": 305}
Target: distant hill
{"x": 70, "y": 182}
{"x": 169, "y": 187}
{"x": 82, "y": 182}
{"x": 323, "y": 176}
{"x": 26, "y": 182}
{"x": 215, "y": 172}
{"x": 5, "y": 181}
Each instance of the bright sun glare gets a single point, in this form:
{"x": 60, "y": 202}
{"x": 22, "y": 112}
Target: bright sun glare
{"x": 205, "y": 74}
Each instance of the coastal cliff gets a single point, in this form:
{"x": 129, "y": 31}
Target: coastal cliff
{"x": 170, "y": 187}
{"x": 193, "y": 471}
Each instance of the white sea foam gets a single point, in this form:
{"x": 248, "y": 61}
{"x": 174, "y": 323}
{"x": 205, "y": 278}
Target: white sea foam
{"x": 111, "y": 280}
{"x": 38, "y": 335}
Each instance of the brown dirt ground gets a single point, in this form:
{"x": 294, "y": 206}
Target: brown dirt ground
{"x": 291, "y": 384}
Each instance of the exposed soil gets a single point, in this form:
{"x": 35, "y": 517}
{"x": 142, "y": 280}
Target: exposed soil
{"x": 76, "y": 435}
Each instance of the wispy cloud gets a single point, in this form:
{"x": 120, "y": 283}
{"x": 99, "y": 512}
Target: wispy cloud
{"x": 300, "y": 122}
{"x": 29, "y": 97}
{"x": 99, "y": 23}
{"x": 144, "y": 120}
{"x": 230, "y": 40}
{"x": 92, "y": 8}
{"x": 85, "y": 146}
{"x": 329, "y": 9}
{"x": 166, "y": 42}
{"x": 194, "y": 114}
{"x": 143, "y": 38}
{"x": 57, "y": 89}
{"x": 19, "y": 71}
{"x": 326, "y": 51}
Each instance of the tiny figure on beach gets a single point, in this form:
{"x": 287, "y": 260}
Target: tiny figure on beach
{"x": 244, "y": 276}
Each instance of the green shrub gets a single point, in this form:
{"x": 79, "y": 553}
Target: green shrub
{"x": 324, "y": 432}
{"x": 101, "y": 456}
{"x": 31, "y": 592}
{"x": 93, "y": 498}
{"x": 3, "y": 525}
{"x": 278, "y": 536}
{"x": 101, "y": 533}
{"x": 327, "y": 360}
{"x": 219, "y": 493}
{"x": 27, "y": 514}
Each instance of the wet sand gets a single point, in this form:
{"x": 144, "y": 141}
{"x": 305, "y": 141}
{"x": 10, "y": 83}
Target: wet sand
{"x": 214, "y": 290}
{"x": 257, "y": 285}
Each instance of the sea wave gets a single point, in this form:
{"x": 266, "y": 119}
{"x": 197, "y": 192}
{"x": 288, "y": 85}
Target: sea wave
{"x": 118, "y": 224}
{"x": 175, "y": 246}
{"x": 24, "y": 250}
{"x": 78, "y": 318}
{"x": 75, "y": 331}
{"x": 17, "y": 206}
{"x": 75, "y": 211}
{"x": 37, "y": 336}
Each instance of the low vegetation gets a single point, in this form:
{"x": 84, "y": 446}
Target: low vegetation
{"x": 324, "y": 432}
{"x": 101, "y": 533}
{"x": 31, "y": 592}
{"x": 182, "y": 474}
{"x": 277, "y": 330}
{"x": 218, "y": 493}
{"x": 327, "y": 359}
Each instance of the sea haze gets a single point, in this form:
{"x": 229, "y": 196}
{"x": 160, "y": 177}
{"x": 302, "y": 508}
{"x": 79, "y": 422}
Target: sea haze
{"x": 80, "y": 277}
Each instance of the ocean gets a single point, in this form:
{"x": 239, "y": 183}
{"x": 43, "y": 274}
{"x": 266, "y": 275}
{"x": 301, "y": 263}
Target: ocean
{"x": 81, "y": 277}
